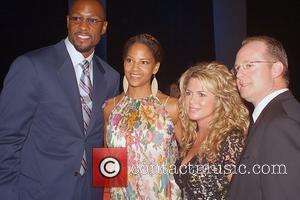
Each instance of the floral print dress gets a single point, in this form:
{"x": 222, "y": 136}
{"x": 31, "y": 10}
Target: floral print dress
{"x": 146, "y": 129}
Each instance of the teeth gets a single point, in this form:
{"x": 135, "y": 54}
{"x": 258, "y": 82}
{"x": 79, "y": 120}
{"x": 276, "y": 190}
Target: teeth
{"x": 136, "y": 76}
{"x": 83, "y": 36}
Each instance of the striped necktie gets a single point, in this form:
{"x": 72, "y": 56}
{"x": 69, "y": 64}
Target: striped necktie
{"x": 85, "y": 89}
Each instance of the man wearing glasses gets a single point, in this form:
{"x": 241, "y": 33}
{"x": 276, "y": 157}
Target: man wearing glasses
{"x": 270, "y": 165}
{"x": 51, "y": 113}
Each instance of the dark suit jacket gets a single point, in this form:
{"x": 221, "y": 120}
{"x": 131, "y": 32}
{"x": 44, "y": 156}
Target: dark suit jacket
{"x": 272, "y": 154}
{"x": 41, "y": 124}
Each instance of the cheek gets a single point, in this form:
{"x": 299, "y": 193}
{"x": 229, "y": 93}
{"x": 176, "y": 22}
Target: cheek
{"x": 208, "y": 105}
{"x": 96, "y": 35}
{"x": 186, "y": 102}
{"x": 259, "y": 82}
{"x": 149, "y": 73}
{"x": 126, "y": 67}
{"x": 186, "y": 106}
{"x": 211, "y": 107}
{"x": 70, "y": 30}
{"x": 72, "y": 27}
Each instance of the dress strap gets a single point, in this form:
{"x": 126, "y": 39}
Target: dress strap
{"x": 166, "y": 101}
{"x": 114, "y": 101}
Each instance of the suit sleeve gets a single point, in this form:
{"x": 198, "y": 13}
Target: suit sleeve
{"x": 281, "y": 152}
{"x": 116, "y": 89}
{"x": 17, "y": 106}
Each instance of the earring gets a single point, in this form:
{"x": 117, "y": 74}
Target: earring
{"x": 125, "y": 84}
{"x": 154, "y": 86}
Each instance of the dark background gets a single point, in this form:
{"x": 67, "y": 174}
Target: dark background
{"x": 185, "y": 29}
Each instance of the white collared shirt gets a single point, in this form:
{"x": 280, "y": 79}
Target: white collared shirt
{"x": 264, "y": 102}
{"x": 77, "y": 58}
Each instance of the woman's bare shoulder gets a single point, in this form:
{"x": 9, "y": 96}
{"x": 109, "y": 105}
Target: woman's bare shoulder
{"x": 171, "y": 103}
{"x": 111, "y": 103}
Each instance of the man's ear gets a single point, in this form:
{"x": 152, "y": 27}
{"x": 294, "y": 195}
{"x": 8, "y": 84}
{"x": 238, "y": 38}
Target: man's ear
{"x": 277, "y": 69}
{"x": 68, "y": 21}
{"x": 104, "y": 27}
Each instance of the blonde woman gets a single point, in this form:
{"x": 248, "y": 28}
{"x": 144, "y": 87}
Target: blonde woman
{"x": 214, "y": 121}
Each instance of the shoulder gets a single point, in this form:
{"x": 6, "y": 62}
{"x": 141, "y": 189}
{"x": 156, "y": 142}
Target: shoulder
{"x": 282, "y": 116}
{"x": 171, "y": 105}
{"x": 285, "y": 105}
{"x": 234, "y": 139}
{"x": 235, "y": 136}
{"x": 232, "y": 147}
{"x": 292, "y": 108}
{"x": 29, "y": 65}
{"x": 48, "y": 57}
{"x": 56, "y": 50}
{"x": 32, "y": 60}
{"x": 111, "y": 103}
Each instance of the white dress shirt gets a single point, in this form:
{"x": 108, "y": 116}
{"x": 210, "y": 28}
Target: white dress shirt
{"x": 77, "y": 58}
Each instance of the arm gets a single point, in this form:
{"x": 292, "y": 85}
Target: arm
{"x": 231, "y": 152}
{"x": 173, "y": 110}
{"x": 18, "y": 102}
{"x": 107, "y": 110}
{"x": 281, "y": 146}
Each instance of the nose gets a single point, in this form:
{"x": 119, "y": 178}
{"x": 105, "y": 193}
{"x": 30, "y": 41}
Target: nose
{"x": 135, "y": 65}
{"x": 240, "y": 73}
{"x": 192, "y": 98}
{"x": 84, "y": 24}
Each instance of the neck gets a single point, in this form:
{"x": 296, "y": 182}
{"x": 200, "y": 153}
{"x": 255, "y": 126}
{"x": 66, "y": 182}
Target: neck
{"x": 138, "y": 92}
{"x": 276, "y": 87}
{"x": 202, "y": 130}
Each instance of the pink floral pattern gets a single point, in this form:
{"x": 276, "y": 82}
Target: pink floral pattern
{"x": 145, "y": 128}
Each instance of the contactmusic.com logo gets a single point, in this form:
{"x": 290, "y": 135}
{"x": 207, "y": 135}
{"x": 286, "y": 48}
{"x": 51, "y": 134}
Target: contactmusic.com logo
{"x": 109, "y": 167}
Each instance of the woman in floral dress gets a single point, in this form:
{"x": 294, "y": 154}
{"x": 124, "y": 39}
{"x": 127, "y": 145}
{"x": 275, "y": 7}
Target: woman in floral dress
{"x": 144, "y": 120}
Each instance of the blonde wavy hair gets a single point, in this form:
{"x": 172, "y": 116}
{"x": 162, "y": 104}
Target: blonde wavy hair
{"x": 230, "y": 115}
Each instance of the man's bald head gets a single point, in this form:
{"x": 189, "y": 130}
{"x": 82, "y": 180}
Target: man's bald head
{"x": 96, "y": 2}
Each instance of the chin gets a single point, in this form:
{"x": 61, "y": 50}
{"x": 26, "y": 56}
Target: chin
{"x": 83, "y": 49}
{"x": 193, "y": 117}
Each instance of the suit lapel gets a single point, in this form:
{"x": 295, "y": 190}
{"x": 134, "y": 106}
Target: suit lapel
{"x": 67, "y": 77}
{"x": 68, "y": 82}
{"x": 270, "y": 106}
{"x": 99, "y": 93}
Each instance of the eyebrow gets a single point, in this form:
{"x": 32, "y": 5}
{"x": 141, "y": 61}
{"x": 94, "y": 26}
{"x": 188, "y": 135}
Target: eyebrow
{"x": 195, "y": 91}
{"x": 139, "y": 58}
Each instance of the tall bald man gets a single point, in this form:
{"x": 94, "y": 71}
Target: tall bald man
{"x": 51, "y": 113}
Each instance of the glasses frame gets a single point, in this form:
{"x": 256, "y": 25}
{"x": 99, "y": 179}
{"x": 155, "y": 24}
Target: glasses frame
{"x": 90, "y": 21}
{"x": 248, "y": 65}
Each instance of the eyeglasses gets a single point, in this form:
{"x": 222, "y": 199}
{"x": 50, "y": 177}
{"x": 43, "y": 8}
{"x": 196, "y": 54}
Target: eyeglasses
{"x": 247, "y": 66}
{"x": 90, "y": 21}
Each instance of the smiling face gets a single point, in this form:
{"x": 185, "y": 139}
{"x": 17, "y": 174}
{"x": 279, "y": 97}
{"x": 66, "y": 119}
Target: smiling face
{"x": 139, "y": 66}
{"x": 199, "y": 102}
{"x": 257, "y": 82}
{"x": 81, "y": 33}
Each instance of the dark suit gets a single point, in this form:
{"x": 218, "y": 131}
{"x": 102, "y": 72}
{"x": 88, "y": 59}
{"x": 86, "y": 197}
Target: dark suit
{"x": 273, "y": 139}
{"x": 41, "y": 125}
